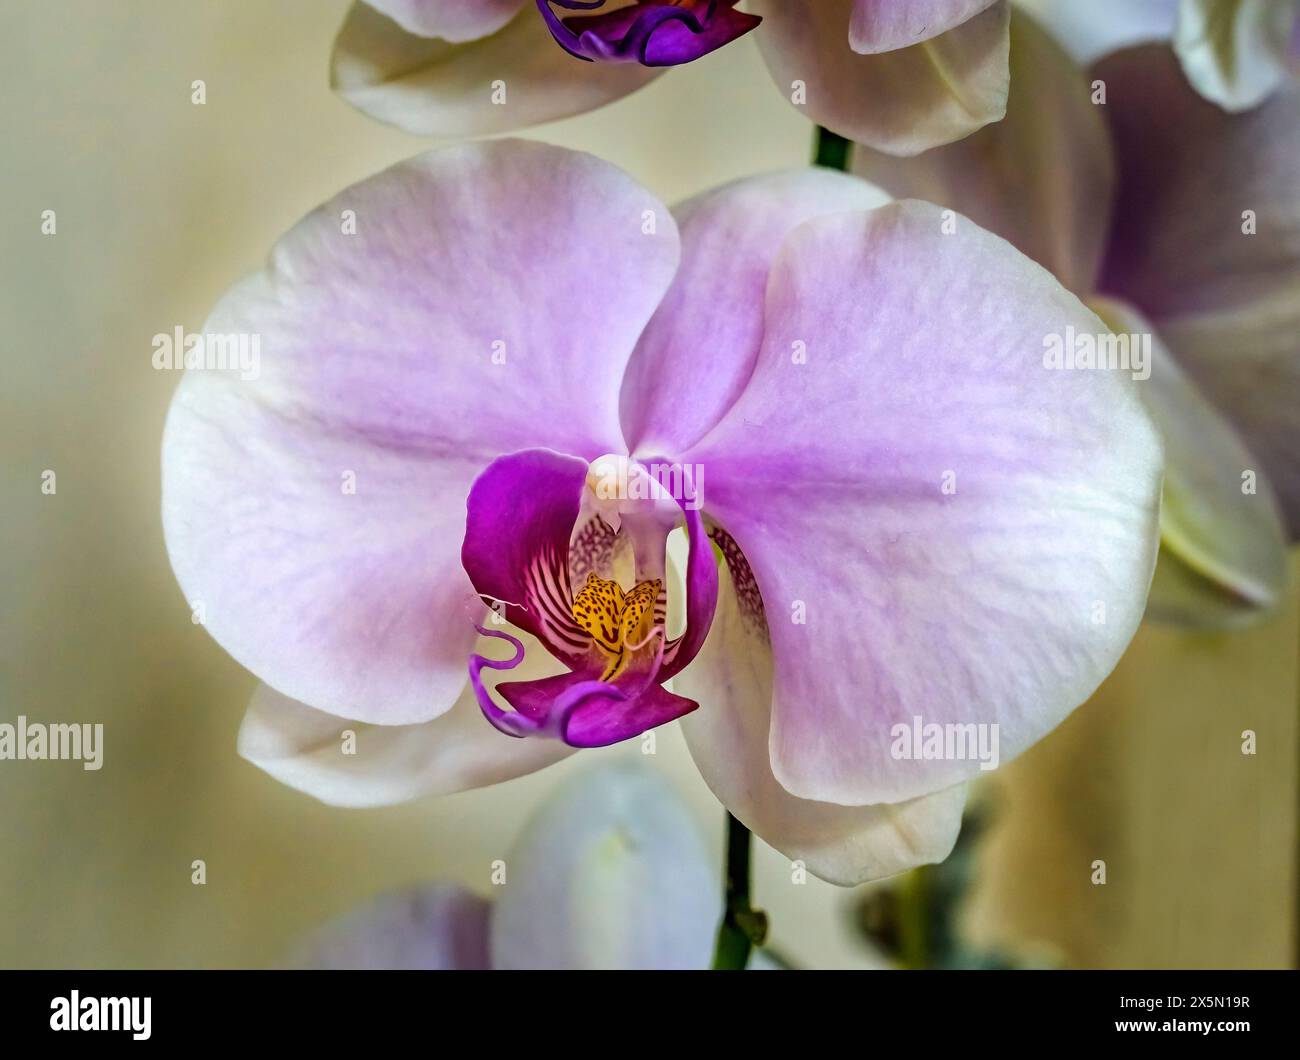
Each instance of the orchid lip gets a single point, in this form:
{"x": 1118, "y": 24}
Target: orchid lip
{"x": 649, "y": 32}
{"x": 542, "y": 533}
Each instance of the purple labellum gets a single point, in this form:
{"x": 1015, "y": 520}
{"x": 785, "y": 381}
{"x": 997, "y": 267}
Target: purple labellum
{"x": 525, "y": 514}
{"x": 649, "y": 32}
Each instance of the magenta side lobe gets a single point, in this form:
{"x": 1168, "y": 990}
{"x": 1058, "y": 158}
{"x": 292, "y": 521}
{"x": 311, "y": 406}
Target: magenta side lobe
{"x": 520, "y": 515}
{"x": 649, "y": 32}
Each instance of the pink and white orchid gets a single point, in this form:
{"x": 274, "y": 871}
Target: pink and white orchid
{"x": 903, "y": 75}
{"x": 1177, "y": 220}
{"x": 610, "y": 872}
{"x": 912, "y": 521}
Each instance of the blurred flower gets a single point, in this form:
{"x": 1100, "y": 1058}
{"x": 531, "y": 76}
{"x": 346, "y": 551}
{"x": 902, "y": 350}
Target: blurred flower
{"x": 611, "y": 872}
{"x": 919, "y": 526}
{"x": 1175, "y": 219}
{"x": 902, "y": 75}
{"x": 1235, "y": 53}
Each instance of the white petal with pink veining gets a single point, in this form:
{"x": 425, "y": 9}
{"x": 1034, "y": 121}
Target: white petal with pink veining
{"x": 941, "y": 526}
{"x": 317, "y": 511}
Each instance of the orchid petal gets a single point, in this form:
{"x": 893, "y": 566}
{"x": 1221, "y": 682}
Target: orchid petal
{"x": 1236, "y": 54}
{"x": 940, "y": 526}
{"x": 383, "y": 765}
{"x": 452, "y": 20}
{"x": 904, "y": 101}
{"x": 379, "y": 368}
{"x": 846, "y": 845}
{"x": 1043, "y": 177}
{"x": 884, "y": 25}
{"x": 439, "y": 927}
{"x": 510, "y": 80}
{"x": 611, "y": 873}
{"x": 1229, "y": 536}
{"x": 671, "y": 394}
{"x": 1206, "y": 244}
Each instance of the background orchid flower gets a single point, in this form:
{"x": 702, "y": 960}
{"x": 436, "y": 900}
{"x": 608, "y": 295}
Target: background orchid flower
{"x": 1235, "y": 53}
{"x": 915, "y": 520}
{"x": 610, "y": 872}
{"x": 1172, "y": 218}
{"x": 902, "y": 75}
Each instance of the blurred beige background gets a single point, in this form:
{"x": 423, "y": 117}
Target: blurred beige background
{"x": 162, "y": 205}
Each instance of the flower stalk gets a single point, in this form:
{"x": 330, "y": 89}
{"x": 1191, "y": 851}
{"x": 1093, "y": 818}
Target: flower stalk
{"x": 743, "y": 927}
{"x": 831, "y": 151}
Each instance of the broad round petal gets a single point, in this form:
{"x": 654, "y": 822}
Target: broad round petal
{"x": 1042, "y": 177}
{"x": 884, "y": 25}
{"x": 435, "y": 928}
{"x": 903, "y": 101}
{"x": 672, "y": 395}
{"x": 941, "y": 526}
{"x": 453, "y": 20}
{"x": 316, "y": 511}
{"x": 611, "y": 873}
{"x": 510, "y": 80}
{"x": 1205, "y": 242}
{"x": 728, "y": 739}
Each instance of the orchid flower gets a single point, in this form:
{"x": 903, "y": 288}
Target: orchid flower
{"x": 610, "y": 872}
{"x": 490, "y": 394}
{"x": 1172, "y": 219}
{"x": 903, "y": 75}
{"x": 1235, "y": 53}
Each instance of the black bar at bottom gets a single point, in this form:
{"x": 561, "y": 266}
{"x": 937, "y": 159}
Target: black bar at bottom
{"x": 215, "y": 1008}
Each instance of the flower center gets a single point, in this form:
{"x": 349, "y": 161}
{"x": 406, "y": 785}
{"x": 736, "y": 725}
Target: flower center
{"x": 618, "y": 622}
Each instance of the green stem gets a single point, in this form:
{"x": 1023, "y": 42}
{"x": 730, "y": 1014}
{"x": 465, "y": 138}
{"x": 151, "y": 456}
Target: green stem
{"x": 913, "y": 923}
{"x": 832, "y": 150}
{"x": 743, "y": 927}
